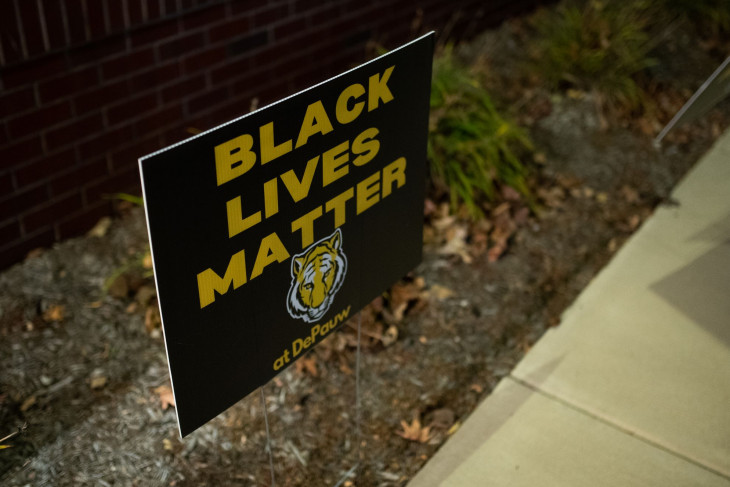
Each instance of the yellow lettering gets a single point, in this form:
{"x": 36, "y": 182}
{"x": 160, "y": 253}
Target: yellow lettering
{"x": 315, "y": 121}
{"x": 269, "y": 149}
{"x": 271, "y": 198}
{"x": 366, "y": 145}
{"x": 367, "y": 192}
{"x": 236, "y": 222}
{"x": 342, "y": 316}
{"x": 338, "y": 205}
{"x": 270, "y": 250}
{"x": 378, "y": 89}
{"x": 395, "y": 172}
{"x": 300, "y": 189}
{"x": 305, "y": 223}
{"x": 333, "y": 163}
{"x": 297, "y": 346}
{"x": 209, "y": 282}
{"x": 342, "y": 112}
{"x": 234, "y": 158}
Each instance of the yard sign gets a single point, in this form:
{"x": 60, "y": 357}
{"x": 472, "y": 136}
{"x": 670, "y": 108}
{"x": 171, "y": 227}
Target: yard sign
{"x": 270, "y": 231}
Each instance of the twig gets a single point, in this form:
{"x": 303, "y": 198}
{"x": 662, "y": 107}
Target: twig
{"x": 15, "y": 433}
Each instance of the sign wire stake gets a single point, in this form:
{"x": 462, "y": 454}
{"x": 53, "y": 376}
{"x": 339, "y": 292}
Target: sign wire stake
{"x": 268, "y": 437}
{"x": 358, "y": 431}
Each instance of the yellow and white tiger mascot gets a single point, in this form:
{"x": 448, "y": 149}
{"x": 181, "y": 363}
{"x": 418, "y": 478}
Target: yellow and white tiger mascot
{"x": 317, "y": 275}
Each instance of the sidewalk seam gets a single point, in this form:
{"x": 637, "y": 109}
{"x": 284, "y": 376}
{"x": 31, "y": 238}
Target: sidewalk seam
{"x": 615, "y": 426}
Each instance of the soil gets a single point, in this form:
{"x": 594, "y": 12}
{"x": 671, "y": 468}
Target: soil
{"x": 80, "y": 365}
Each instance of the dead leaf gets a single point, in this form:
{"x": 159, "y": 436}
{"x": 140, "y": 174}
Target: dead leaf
{"x": 167, "y": 399}
{"x": 440, "y": 292}
{"x": 131, "y": 308}
{"x": 308, "y": 364}
{"x": 166, "y": 444}
{"x": 55, "y": 313}
{"x": 476, "y": 388}
{"x": 28, "y": 403}
{"x": 602, "y": 197}
{"x": 454, "y": 428}
{"x": 147, "y": 261}
{"x": 510, "y": 194}
{"x": 98, "y": 382}
{"x": 539, "y": 158}
{"x": 456, "y": 243}
{"x": 390, "y": 336}
{"x": 414, "y": 431}
{"x": 101, "y": 228}
{"x": 152, "y": 320}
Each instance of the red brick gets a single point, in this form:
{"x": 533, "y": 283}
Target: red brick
{"x": 230, "y": 29}
{"x": 153, "y": 10}
{"x": 107, "y": 140}
{"x": 183, "y": 89}
{"x": 53, "y": 17}
{"x": 76, "y": 177}
{"x": 92, "y": 52}
{"x": 248, "y": 43}
{"x": 231, "y": 71}
{"x": 154, "y": 122}
{"x": 206, "y": 16}
{"x": 9, "y": 232}
{"x": 23, "y": 201}
{"x": 123, "y": 182}
{"x": 154, "y": 32}
{"x": 96, "y": 21}
{"x": 52, "y": 212}
{"x": 154, "y": 77}
{"x": 169, "y": 7}
{"x": 75, "y": 129}
{"x": 44, "y": 168}
{"x": 10, "y": 34}
{"x": 19, "y": 152}
{"x": 245, "y": 6}
{"x": 290, "y": 28}
{"x": 134, "y": 10}
{"x": 209, "y": 57}
{"x": 30, "y": 18}
{"x": 68, "y": 84}
{"x": 181, "y": 45}
{"x": 32, "y": 71}
{"x": 207, "y": 100}
{"x": 271, "y": 15}
{"x": 115, "y": 14}
{"x": 128, "y": 63}
{"x": 76, "y": 21}
{"x": 16, "y": 251}
{"x": 6, "y": 184}
{"x": 84, "y": 220}
{"x": 16, "y": 102}
{"x": 130, "y": 108}
{"x": 105, "y": 95}
{"x": 37, "y": 120}
{"x": 125, "y": 158}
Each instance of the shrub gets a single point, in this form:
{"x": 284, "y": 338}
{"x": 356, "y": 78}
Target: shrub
{"x": 472, "y": 149}
{"x": 595, "y": 46}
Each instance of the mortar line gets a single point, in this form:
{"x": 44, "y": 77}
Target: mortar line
{"x": 616, "y": 426}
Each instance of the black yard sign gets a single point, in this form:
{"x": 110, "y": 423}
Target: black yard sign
{"x": 270, "y": 231}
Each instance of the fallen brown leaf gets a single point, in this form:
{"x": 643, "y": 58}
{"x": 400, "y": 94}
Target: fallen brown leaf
{"x": 54, "y": 313}
{"x": 414, "y": 431}
{"x": 166, "y": 396}
{"x": 390, "y": 336}
{"x": 308, "y": 364}
{"x": 28, "y": 403}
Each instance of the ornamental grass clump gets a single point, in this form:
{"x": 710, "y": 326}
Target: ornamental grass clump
{"x": 473, "y": 150}
{"x": 597, "y": 47}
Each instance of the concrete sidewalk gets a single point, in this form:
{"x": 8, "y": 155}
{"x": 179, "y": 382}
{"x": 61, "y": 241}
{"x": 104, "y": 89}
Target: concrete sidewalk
{"x": 633, "y": 388}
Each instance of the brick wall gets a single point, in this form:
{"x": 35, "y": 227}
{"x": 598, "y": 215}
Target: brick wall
{"x": 87, "y": 86}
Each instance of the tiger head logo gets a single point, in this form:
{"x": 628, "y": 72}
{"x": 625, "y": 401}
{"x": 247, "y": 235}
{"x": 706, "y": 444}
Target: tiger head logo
{"x": 317, "y": 274}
